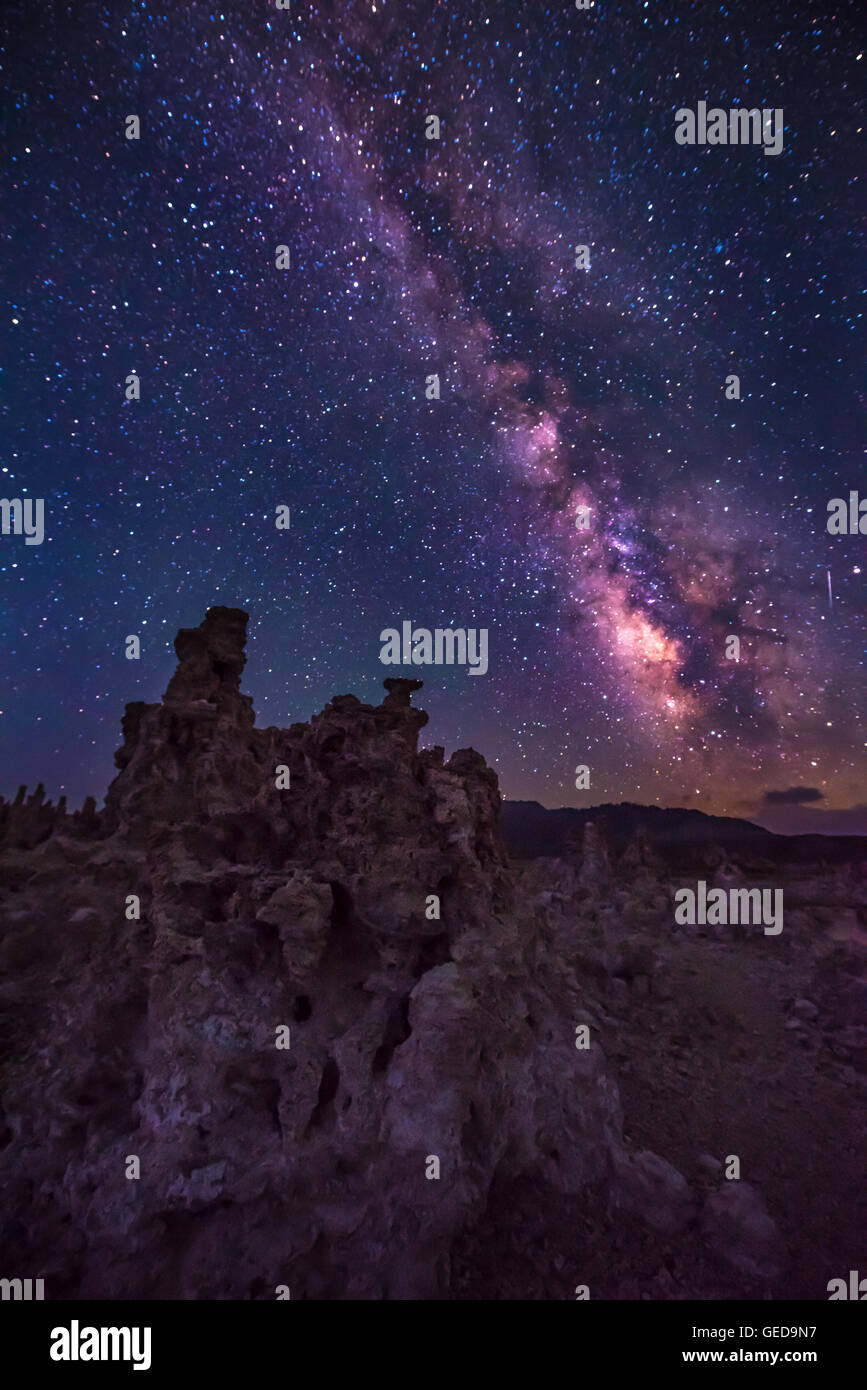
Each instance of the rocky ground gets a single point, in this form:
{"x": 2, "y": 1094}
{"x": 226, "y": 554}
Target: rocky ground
{"x": 751, "y": 1047}
{"x": 431, "y": 1130}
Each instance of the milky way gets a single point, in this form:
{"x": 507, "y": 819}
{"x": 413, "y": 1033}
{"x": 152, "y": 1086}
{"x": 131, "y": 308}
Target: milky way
{"x": 560, "y": 387}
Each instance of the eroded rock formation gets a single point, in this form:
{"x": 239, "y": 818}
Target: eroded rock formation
{"x": 414, "y": 1034}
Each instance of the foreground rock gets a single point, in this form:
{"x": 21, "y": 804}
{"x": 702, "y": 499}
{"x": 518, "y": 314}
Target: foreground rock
{"x": 737, "y": 1228}
{"x": 286, "y": 881}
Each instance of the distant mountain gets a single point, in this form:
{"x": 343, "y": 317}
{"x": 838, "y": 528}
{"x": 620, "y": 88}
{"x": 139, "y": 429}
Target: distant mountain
{"x": 531, "y": 830}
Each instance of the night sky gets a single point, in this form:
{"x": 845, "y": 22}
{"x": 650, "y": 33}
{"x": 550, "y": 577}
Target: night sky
{"x": 560, "y": 386}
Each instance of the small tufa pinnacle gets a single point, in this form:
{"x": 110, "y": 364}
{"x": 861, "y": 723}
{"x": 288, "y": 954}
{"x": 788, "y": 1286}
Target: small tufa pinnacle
{"x": 399, "y": 692}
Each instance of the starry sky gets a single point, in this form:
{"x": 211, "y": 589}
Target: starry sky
{"x": 560, "y": 387}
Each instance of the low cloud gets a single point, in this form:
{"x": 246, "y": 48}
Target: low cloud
{"x": 793, "y": 796}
